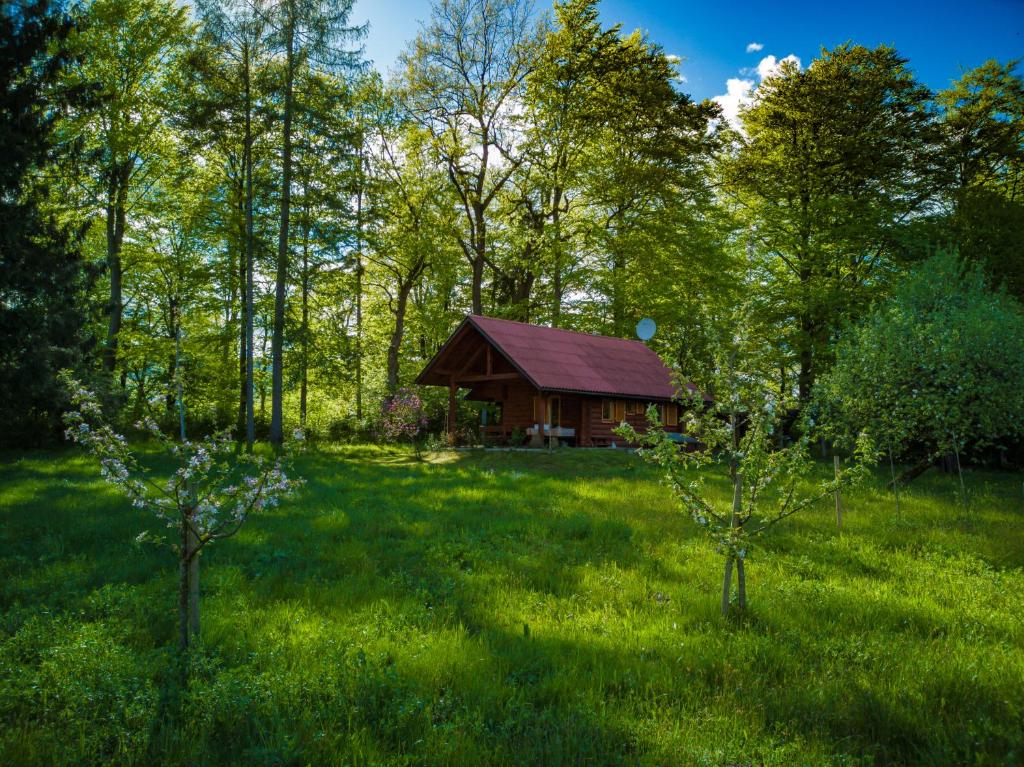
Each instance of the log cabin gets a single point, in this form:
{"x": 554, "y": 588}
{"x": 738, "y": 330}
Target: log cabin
{"x": 552, "y": 383}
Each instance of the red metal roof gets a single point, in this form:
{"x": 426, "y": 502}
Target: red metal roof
{"x": 564, "y": 360}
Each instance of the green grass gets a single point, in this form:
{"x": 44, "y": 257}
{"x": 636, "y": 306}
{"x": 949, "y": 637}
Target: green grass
{"x": 510, "y": 608}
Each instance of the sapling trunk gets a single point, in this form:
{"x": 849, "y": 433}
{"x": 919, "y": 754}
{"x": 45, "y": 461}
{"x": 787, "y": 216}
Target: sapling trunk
{"x": 183, "y": 589}
{"x": 895, "y": 484}
{"x": 741, "y": 585}
{"x": 737, "y": 506}
{"x": 193, "y": 587}
{"x": 727, "y": 584}
{"x": 839, "y": 502}
{"x": 960, "y": 474}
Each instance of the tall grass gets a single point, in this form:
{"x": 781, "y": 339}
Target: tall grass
{"x": 510, "y": 608}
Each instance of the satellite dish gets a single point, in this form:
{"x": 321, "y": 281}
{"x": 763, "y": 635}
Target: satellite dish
{"x": 645, "y": 329}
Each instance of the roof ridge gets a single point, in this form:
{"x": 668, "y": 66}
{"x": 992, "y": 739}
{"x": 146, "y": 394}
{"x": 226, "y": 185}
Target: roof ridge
{"x": 560, "y": 330}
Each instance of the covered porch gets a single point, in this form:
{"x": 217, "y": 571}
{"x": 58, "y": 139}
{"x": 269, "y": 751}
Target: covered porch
{"x": 512, "y": 403}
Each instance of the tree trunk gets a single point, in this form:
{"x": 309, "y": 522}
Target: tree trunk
{"x": 250, "y": 413}
{"x": 805, "y": 375}
{"x": 396, "y": 336}
{"x": 193, "y": 588}
{"x": 304, "y": 330}
{"x": 734, "y": 522}
{"x": 277, "y": 342}
{"x": 913, "y": 472}
{"x": 359, "y": 278}
{"x": 960, "y": 474}
{"x": 895, "y": 485}
{"x": 741, "y": 585}
{"x": 184, "y": 593}
{"x": 618, "y": 293}
{"x": 556, "y": 269}
{"x": 117, "y": 197}
{"x": 478, "y": 280}
{"x": 242, "y": 354}
{"x": 727, "y": 584}
{"x": 453, "y": 405}
{"x": 839, "y": 501}
{"x": 479, "y": 256}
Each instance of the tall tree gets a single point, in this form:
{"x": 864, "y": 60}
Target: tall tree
{"x": 327, "y": 155}
{"x": 42, "y": 277}
{"x": 464, "y": 78}
{"x": 831, "y": 160}
{"x": 126, "y": 49}
{"x": 412, "y": 221}
{"x": 983, "y": 127}
{"x": 307, "y": 33}
{"x": 230, "y": 85}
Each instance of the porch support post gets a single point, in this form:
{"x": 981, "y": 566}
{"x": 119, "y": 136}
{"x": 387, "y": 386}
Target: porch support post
{"x": 537, "y": 440}
{"x": 452, "y": 405}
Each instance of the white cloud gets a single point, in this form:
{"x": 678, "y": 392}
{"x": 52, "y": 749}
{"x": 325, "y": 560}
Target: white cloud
{"x": 770, "y": 66}
{"x": 676, "y": 62}
{"x": 738, "y": 90}
{"x": 736, "y": 96}
{"x": 754, "y": 47}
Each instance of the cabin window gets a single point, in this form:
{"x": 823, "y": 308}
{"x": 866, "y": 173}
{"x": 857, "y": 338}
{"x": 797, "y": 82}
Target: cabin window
{"x": 607, "y": 410}
{"x": 672, "y": 415}
{"x": 555, "y": 411}
{"x": 490, "y": 414}
{"x": 633, "y": 408}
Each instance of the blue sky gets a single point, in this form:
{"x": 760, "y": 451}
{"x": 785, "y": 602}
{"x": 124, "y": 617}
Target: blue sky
{"x": 941, "y": 38}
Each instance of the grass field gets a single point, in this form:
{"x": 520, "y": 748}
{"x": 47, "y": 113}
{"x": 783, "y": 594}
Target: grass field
{"x": 510, "y": 608}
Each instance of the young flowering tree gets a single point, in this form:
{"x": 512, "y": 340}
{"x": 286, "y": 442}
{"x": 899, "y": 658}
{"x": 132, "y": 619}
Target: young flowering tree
{"x": 402, "y": 417}
{"x": 739, "y": 428}
{"x": 208, "y": 497}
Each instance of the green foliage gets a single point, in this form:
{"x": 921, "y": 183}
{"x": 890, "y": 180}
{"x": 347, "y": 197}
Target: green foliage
{"x": 43, "y": 281}
{"x": 389, "y": 628}
{"x": 741, "y": 427}
{"x": 831, "y": 160}
{"x": 983, "y": 125}
{"x": 936, "y": 368}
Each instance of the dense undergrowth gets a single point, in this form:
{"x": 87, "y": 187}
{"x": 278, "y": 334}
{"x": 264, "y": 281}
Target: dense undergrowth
{"x": 510, "y": 608}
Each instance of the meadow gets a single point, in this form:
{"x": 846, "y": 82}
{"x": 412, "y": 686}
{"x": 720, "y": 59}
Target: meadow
{"x": 496, "y": 608}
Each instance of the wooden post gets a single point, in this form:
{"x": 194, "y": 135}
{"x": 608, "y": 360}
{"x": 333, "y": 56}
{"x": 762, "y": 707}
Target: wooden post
{"x": 583, "y": 436}
{"x": 839, "y": 504}
{"x": 452, "y": 407}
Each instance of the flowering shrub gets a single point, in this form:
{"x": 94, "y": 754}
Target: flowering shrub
{"x": 208, "y": 497}
{"x": 402, "y": 417}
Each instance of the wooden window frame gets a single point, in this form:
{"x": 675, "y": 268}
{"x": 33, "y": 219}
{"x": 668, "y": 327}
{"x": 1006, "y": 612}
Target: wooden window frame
{"x": 551, "y": 421}
{"x": 672, "y": 415}
{"x": 607, "y": 411}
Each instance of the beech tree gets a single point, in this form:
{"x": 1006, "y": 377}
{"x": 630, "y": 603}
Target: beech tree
{"x": 228, "y": 76}
{"x": 983, "y": 140}
{"x": 464, "y": 82}
{"x": 831, "y": 161}
{"x": 126, "y": 50}
{"x": 308, "y": 33}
